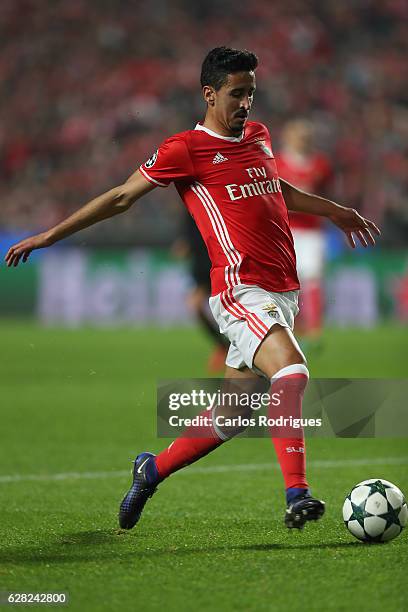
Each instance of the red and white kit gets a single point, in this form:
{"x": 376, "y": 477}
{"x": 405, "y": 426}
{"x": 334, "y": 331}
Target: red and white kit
{"x": 231, "y": 188}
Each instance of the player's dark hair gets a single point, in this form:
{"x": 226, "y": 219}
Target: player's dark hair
{"x": 222, "y": 61}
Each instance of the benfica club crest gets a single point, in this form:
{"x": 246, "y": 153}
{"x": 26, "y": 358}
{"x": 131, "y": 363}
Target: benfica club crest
{"x": 271, "y": 309}
{"x": 265, "y": 149}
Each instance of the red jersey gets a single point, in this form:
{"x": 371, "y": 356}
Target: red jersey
{"x": 311, "y": 174}
{"x": 231, "y": 188}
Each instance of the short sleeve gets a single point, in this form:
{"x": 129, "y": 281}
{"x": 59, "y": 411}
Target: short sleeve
{"x": 171, "y": 162}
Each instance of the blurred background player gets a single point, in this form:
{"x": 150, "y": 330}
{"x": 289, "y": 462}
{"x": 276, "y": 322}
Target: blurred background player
{"x": 192, "y": 247}
{"x": 300, "y": 164}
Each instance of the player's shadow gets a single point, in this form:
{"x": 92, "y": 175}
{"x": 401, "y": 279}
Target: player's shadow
{"x": 70, "y": 548}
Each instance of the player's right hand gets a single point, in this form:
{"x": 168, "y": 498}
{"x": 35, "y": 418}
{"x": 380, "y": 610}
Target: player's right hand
{"x": 22, "y": 250}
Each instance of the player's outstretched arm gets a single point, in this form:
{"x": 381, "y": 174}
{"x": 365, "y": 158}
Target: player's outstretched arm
{"x": 346, "y": 219}
{"x": 109, "y": 204}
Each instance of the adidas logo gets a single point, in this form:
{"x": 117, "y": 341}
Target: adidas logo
{"x": 218, "y": 159}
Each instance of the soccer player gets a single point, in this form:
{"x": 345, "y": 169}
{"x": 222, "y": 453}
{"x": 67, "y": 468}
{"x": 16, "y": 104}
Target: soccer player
{"x": 311, "y": 171}
{"x": 225, "y": 173}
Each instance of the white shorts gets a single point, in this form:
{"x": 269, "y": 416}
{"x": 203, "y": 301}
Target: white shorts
{"x": 310, "y": 252}
{"x": 246, "y": 313}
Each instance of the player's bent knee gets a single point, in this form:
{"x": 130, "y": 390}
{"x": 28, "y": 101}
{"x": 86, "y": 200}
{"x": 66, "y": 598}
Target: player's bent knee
{"x": 278, "y": 350}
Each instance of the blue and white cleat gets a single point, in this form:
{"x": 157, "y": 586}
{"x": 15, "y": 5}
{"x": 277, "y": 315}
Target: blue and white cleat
{"x": 302, "y": 509}
{"x": 145, "y": 481}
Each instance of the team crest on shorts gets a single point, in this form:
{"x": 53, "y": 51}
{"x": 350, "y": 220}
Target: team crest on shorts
{"x": 152, "y": 160}
{"x": 271, "y": 309}
{"x": 265, "y": 149}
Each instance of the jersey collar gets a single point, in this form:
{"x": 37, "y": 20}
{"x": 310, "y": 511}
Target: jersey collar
{"x": 211, "y": 133}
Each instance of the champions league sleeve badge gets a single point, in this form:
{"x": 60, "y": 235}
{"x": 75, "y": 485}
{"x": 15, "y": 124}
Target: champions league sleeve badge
{"x": 152, "y": 160}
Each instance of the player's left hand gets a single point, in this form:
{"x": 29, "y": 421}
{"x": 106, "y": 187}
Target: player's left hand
{"x": 22, "y": 250}
{"x": 355, "y": 226}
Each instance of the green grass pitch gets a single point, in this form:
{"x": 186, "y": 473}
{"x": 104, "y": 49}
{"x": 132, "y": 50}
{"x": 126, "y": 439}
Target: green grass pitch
{"x": 78, "y": 405}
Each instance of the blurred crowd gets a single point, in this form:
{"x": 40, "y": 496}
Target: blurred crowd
{"x": 90, "y": 89}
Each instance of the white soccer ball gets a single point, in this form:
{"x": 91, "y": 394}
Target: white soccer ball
{"x": 375, "y": 510}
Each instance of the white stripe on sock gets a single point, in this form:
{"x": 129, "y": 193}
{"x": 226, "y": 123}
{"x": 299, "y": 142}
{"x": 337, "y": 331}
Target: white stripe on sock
{"x": 296, "y": 368}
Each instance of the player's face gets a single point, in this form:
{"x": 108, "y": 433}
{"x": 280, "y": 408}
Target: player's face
{"x": 233, "y": 101}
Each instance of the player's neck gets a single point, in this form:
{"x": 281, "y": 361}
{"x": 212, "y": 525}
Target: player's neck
{"x": 215, "y": 126}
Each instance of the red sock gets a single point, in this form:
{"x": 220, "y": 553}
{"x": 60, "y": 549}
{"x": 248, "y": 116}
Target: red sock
{"x": 290, "y": 383}
{"x": 194, "y": 443}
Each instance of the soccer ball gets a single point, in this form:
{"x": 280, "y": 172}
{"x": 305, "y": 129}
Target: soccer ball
{"x": 375, "y": 510}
